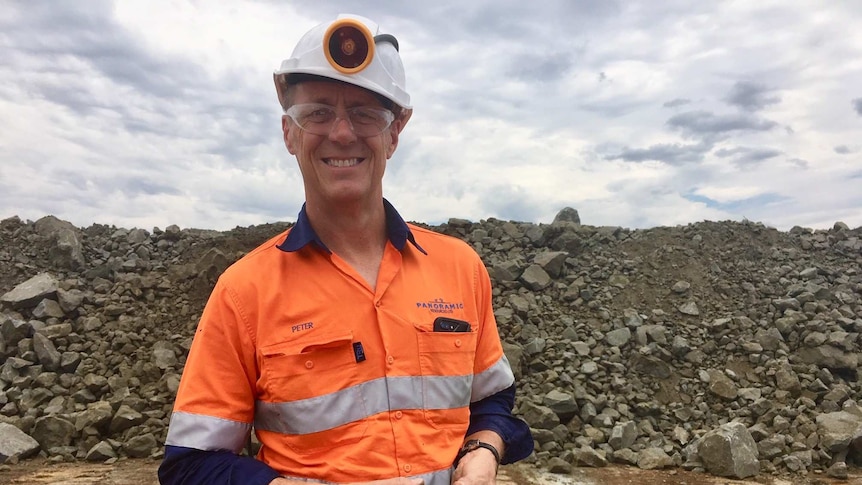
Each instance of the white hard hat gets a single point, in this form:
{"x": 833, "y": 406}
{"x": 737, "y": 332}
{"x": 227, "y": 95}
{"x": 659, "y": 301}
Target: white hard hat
{"x": 349, "y": 49}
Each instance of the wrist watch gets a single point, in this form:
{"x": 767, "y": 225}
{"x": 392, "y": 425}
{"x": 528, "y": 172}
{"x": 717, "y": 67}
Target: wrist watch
{"x": 473, "y": 445}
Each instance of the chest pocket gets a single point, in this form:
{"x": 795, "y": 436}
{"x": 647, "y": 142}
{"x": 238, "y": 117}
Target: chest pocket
{"x": 446, "y": 361}
{"x": 315, "y": 383}
{"x": 308, "y": 368}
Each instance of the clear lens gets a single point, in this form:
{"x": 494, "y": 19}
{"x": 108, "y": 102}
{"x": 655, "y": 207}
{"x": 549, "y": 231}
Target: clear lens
{"x": 319, "y": 119}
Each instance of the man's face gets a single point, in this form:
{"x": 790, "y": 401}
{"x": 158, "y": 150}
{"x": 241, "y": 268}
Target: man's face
{"x": 339, "y": 167}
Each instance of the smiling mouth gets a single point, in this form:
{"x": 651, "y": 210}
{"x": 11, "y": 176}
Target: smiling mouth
{"x": 342, "y": 162}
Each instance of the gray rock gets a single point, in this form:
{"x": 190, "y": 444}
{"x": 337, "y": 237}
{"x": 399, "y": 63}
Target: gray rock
{"x": 623, "y": 435}
{"x": 98, "y": 416}
{"x": 619, "y": 337}
{"x": 164, "y": 358}
{"x": 67, "y": 250}
{"x": 15, "y": 444}
{"x": 141, "y": 446}
{"x": 125, "y": 418}
{"x": 681, "y": 287}
{"x": 654, "y": 459}
{"x": 721, "y": 385}
{"x": 561, "y": 403}
{"x": 13, "y": 331}
{"x": 541, "y": 417}
{"x": 829, "y": 357}
{"x": 651, "y": 366}
{"x": 173, "y": 233}
{"x": 729, "y": 451}
{"x": 535, "y": 278}
{"x": 567, "y": 214}
{"x": 586, "y": 456}
{"x": 48, "y": 309}
{"x": 838, "y": 470}
{"x": 552, "y": 262}
{"x": 48, "y": 355}
{"x": 787, "y": 380}
{"x": 29, "y": 293}
{"x": 625, "y": 456}
{"x": 559, "y": 466}
{"x": 689, "y": 308}
{"x": 101, "y": 451}
{"x": 70, "y": 300}
{"x": 837, "y": 430}
{"x": 137, "y": 236}
{"x": 53, "y": 431}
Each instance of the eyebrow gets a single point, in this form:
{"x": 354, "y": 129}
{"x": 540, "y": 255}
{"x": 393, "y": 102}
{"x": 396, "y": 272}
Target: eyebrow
{"x": 349, "y": 104}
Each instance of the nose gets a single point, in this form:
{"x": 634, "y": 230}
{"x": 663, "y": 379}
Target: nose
{"x": 342, "y": 131}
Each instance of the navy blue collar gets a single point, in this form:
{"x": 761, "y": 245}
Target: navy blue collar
{"x": 303, "y": 234}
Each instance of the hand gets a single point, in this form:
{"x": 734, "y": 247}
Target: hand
{"x": 479, "y": 467}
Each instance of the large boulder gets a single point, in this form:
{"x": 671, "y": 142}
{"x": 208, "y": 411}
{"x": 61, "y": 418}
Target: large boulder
{"x": 29, "y": 293}
{"x": 14, "y": 443}
{"x": 68, "y": 249}
{"x": 729, "y": 451}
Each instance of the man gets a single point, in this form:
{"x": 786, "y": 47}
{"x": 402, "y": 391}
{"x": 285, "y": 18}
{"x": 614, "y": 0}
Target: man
{"x": 361, "y": 349}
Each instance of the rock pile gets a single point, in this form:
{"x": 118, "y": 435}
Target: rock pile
{"x": 725, "y": 347}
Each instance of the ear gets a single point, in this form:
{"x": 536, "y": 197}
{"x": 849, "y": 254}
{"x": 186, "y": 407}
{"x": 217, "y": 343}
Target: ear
{"x": 286, "y": 127}
{"x": 395, "y": 131}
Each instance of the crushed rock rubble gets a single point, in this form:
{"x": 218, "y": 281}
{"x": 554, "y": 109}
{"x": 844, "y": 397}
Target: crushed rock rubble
{"x": 725, "y": 347}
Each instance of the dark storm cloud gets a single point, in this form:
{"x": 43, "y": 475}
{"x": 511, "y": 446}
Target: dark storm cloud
{"x": 857, "y": 105}
{"x": 706, "y": 124}
{"x": 842, "y": 150}
{"x": 747, "y": 156}
{"x": 676, "y": 102}
{"x": 751, "y": 96}
{"x": 671, "y": 154}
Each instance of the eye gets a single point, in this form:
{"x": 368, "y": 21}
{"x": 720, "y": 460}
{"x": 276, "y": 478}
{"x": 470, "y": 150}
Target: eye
{"x": 366, "y": 116}
{"x": 319, "y": 114}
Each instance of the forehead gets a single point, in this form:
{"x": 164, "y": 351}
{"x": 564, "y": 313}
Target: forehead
{"x": 333, "y": 92}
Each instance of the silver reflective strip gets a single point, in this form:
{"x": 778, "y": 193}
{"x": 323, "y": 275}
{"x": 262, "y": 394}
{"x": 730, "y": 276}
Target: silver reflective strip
{"x": 206, "y": 432}
{"x": 441, "y": 477}
{"x": 493, "y": 380}
{"x": 361, "y": 401}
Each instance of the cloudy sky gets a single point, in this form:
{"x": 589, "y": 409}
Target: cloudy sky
{"x": 637, "y": 113}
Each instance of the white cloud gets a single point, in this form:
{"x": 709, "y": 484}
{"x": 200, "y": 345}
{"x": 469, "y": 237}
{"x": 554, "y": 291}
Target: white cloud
{"x": 143, "y": 114}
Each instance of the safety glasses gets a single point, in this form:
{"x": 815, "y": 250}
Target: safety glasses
{"x": 318, "y": 119}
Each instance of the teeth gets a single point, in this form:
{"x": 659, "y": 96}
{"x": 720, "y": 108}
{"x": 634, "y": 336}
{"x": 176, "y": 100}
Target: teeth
{"x": 348, "y": 162}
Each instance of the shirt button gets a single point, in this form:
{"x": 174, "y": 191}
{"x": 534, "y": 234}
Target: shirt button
{"x": 407, "y": 468}
{"x": 309, "y": 364}
{"x": 457, "y": 342}
{"x": 398, "y": 414}
{"x": 390, "y": 359}
{"x": 378, "y": 303}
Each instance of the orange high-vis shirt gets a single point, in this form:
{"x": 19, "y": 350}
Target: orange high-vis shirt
{"x": 340, "y": 382}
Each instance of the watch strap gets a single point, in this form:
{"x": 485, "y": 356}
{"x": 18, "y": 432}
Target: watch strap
{"x": 473, "y": 445}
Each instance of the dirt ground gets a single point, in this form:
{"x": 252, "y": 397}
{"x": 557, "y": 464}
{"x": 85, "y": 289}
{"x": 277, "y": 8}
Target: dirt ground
{"x": 143, "y": 472}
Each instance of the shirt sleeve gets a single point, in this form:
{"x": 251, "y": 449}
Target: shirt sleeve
{"x": 214, "y": 407}
{"x": 494, "y": 383}
{"x": 188, "y": 466}
{"x": 494, "y": 413}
